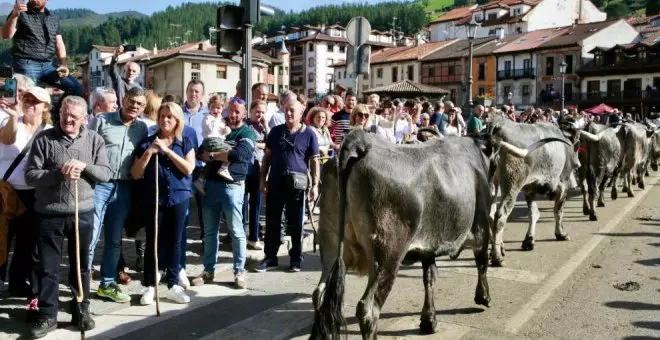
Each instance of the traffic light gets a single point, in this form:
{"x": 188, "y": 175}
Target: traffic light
{"x": 230, "y": 35}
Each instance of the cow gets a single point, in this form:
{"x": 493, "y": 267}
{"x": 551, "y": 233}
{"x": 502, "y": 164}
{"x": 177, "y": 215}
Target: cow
{"x": 654, "y": 152}
{"x": 385, "y": 204}
{"x": 599, "y": 155}
{"x": 635, "y": 145}
{"x": 550, "y": 170}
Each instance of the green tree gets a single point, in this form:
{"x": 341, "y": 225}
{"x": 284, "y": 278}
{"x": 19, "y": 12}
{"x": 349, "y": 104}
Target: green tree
{"x": 617, "y": 10}
{"x": 652, "y": 7}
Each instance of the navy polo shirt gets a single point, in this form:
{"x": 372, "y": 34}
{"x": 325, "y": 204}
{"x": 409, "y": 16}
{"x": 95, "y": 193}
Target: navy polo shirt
{"x": 290, "y": 151}
{"x": 174, "y": 187}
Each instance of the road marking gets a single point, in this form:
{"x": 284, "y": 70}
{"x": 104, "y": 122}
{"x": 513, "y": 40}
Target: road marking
{"x": 502, "y": 273}
{"x": 279, "y": 322}
{"x": 515, "y": 323}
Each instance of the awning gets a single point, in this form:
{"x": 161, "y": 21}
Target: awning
{"x": 407, "y": 88}
{"x": 600, "y": 109}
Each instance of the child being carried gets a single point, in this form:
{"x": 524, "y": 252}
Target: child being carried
{"x": 214, "y": 132}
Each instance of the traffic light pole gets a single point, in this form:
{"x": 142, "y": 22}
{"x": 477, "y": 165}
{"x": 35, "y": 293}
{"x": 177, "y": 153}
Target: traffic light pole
{"x": 246, "y": 68}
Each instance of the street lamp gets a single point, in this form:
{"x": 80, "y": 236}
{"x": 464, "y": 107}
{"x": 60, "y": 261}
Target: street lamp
{"x": 471, "y": 27}
{"x": 510, "y": 96}
{"x": 562, "y": 71}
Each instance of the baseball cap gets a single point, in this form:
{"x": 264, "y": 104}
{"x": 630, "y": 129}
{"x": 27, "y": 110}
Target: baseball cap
{"x": 40, "y": 93}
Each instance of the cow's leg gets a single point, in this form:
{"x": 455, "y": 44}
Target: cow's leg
{"x": 481, "y": 234}
{"x": 428, "y": 320}
{"x": 601, "y": 189}
{"x": 615, "y": 176}
{"x": 628, "y": 183}
{"x": 528, "y": 243}
{"x": 497, "y": 227}
{"x": 593, "y": 187}
{"x": 381, "y": 280}
{"x": 560, "y": 200}
{"x": 584, "y": 184}
{"x": 641, "y": 170}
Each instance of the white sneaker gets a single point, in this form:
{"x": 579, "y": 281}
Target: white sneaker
{"x": 316, "y": 211}
{"x": 183, "y": 279}
{"x": 255, "y": 245}
{"x": 148, "y": 294}
{"x": 177, "y": 294}
{"x": 224, "y": 173}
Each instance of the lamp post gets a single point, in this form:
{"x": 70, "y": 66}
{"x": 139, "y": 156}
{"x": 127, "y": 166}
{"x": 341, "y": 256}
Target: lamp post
{"x": 510, "y": 96}
{"x": 562, "y": 71}
{"x": 471, "y": 27}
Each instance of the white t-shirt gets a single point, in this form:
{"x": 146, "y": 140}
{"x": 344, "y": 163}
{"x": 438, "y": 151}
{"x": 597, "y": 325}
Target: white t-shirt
{"x": 9, "y": 152}
{"x": 214, "y": 127}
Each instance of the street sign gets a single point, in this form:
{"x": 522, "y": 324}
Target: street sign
{"x": 358, "y": 31}
{"x": 358, "y": 60}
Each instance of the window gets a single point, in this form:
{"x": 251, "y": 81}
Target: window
{"x": 395, "y": 74}
{"x": 569, "y": 63}
{"x": 431, "y": 72}
{"x": 286, "y": 69}
{"x": 311, "y": 77}
{"x": 549, "y": 66}
{"x": 344, "y": 74}
{"x": 507, "y": 65}
{"x": 451, "y": 70}
{"x": 310, "y": 47}
{"x": 281, "y": 71}
{"x": 339, "y": 75}
{"x": 527, "y": 64}
{"x": 482, "y": 91}
{"x": 505, "y": 91}
{"x": 331, "y": 47}
{"x": 492, "y": 16}
{"x": 97, "y": 55}
{"x": 379, "y": 73}
{"x": 342, "y": 49}
{"x": 311, "y": 62}
{"x": 195, "y": 66}
{"x": 492, "y": 32}
{"x": 411, "y": 72}
{"x": 311, "y": 93}
{"x": 452, "y": 95}
{"x": 517, "y": 11}
{"x": 329, "y": 62}
{"x": 613, "y": 87}
{"x": 482, "y": 71}
{"x": 280, "y": 88}
{"x": 525, "y": 90}
{"x": 593, "y": 86}
{"x": 221, "y": 71}
{"x": 365, "y": 76}
{"x": 518, "y": 29}
{"x": 599, "y": 58}
{"x": 194, "y": 75}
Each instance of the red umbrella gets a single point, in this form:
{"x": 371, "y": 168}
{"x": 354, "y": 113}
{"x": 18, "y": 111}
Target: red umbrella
{"x": 600, "y": 109}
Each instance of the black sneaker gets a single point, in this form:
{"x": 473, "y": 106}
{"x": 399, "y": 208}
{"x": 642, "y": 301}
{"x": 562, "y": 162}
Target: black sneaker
{"x": 42, "y": 327}
{"x": 265, "y": 265}
{"x": 87, "y": 322}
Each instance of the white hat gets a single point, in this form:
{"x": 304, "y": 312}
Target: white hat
{"x": 40, "y": 93}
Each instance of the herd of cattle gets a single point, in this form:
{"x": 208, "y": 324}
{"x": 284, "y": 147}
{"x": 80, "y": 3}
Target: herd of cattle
{"x": 383, "y": 205}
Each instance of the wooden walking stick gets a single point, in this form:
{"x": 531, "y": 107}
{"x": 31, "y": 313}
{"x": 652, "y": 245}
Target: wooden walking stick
{"x": 80, "y": 295}
{"x": 156, "y": 242}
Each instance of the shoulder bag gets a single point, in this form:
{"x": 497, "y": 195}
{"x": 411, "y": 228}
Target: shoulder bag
{"x": 294, "y": 180}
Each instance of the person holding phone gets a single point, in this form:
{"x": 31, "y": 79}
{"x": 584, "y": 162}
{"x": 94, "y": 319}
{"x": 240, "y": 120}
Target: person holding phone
{"x": 129, "y": 80}
{"x": 35, "y": 32}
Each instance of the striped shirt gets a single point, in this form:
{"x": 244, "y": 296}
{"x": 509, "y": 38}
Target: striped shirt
{"x": 340, "y": 124}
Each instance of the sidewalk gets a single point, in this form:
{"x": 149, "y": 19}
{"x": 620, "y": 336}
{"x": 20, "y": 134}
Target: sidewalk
{"x": 12, "y": 310}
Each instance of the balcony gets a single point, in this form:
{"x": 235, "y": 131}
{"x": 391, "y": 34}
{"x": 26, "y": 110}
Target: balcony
{"x": 605, "y": 97}
{"x": 519, "y": 73}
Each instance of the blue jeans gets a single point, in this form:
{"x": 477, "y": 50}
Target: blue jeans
{"x": 112, "y": 204}
{"x": 170, "y": 223}
{"x": 224, "y": 198}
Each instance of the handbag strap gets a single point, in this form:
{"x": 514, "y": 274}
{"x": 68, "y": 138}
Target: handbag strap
{"x": 284, "y": 142}
{"x": 21, "y": 155}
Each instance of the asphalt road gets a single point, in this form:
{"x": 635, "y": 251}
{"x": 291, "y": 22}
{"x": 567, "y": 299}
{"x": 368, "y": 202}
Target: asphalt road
{"x": 561, "y": 290}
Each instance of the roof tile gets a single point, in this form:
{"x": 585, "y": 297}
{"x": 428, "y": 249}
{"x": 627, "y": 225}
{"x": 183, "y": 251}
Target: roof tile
{"x": 407, "y": 86}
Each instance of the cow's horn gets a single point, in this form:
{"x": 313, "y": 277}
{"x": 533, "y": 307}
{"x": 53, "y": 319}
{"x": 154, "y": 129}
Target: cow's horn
{"x": 591, "y": 136}
{"x": 514, "y": 150}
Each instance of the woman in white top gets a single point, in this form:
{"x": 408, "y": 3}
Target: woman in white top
{"x": 453, "y": 127}
{"x": 360, "y": 120}
{"x": 24, "y": 120}
{"x": 318, "y": 117}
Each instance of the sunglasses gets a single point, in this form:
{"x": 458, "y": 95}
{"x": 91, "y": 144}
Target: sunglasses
{"x": 363, "y": 115}
{"x": 237, "y": 100}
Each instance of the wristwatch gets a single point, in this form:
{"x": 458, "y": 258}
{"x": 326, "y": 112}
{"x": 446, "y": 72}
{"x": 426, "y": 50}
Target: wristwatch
{"x": 211, "y": 155}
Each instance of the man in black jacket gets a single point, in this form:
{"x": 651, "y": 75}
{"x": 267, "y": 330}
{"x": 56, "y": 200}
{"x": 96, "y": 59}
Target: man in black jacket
{"x": 35, "y": 32}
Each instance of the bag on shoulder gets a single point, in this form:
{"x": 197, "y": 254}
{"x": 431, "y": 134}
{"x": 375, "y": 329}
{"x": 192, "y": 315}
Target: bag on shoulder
{"x": 296, "y": 180}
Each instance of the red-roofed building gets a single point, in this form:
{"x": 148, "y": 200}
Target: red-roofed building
{"x": 504, "y": 17}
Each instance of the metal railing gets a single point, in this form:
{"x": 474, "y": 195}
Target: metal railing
{"x": 516, "y": 73}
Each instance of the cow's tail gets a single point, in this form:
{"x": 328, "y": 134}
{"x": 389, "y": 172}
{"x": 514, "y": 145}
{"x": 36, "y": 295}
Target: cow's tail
{"x": 329, "y": 320}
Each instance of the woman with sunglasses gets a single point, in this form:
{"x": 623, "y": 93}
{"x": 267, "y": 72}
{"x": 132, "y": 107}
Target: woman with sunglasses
{"x": 360, "y": 120}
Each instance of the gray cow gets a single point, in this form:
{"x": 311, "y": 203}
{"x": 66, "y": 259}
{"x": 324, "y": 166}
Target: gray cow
{"x": 550, "y": 170}
{"x": 635, "y": 139}
{"x": 599, "y": 154}
{"x": 384, "y": 205}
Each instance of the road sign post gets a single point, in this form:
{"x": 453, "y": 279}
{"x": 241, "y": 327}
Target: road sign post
{"x": 357, "y": 34}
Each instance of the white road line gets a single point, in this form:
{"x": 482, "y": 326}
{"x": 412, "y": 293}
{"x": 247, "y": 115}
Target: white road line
{"x": 279, "y": 322}
{"x": 515, "y": 323}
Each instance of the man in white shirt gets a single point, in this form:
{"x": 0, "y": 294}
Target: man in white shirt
{"x": 286, "y": 98}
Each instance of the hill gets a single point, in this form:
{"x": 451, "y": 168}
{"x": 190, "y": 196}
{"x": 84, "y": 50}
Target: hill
{"x": 85, "y": 17}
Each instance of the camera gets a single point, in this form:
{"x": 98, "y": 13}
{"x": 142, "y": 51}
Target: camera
{"x": 8, "y": 88}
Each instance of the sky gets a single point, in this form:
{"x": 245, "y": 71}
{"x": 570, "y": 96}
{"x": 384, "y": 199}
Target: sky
{"x": 150, "y": 6}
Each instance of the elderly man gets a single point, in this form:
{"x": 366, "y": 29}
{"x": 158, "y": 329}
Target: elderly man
{"x": 128, "y": 81}
{"x": 286, "y": 97}
{"x": 122, "y": 132}
{"x": 36, "y": 41}
{"x": 101, "y": 100}
{"x": 226, "y": 197}
{"x": 289, "y": 148}
{"x": 59, "y": 158}
{"x": 476, "y": 123}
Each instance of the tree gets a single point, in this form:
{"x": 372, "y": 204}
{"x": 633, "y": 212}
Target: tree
{"x": 616, "y": 10}
{"x": 652, "y": 7}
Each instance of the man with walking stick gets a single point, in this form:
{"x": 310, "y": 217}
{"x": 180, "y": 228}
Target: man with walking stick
{"x": 60, "y": 157}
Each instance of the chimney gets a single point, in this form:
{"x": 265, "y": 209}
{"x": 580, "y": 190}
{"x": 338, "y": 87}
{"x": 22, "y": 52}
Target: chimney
{"x": 201, "y": 46}
{"x": 155, "y": 51}
{"x": 500, "y": 33}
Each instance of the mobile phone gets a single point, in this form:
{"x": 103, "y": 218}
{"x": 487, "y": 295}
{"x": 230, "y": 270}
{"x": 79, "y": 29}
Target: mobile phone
{"x": 130, "y": 48}
{"x": 9, "y": 91}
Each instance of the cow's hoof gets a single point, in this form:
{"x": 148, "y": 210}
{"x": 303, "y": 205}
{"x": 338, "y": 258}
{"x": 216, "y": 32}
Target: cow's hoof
{"x": 600, "y": 204}
{"x": 427, "y": 326}
{"x": 615, "y": 195}
{"x": 561, "y": 237}
{"x": 497, "y": 262}
{"x": 528, "y": 243}
{"x": 630, "y": 194}
{"x": 646, "y": 174}
{"x": 593, "y": 217}
{"x": 641, "y": 186}
{"x": 585, "y": 210}
{"x": 482, "y": 300}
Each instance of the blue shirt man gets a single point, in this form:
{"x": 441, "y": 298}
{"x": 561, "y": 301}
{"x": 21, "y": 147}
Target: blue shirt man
{"x": 289, "y": 147}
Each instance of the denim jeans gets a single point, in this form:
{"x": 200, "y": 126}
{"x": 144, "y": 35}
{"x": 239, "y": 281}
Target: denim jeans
{"x": 278, "y": 198}
{"x": 112, "y": 203}
{"x": 170, "y": 223}
{"x": 46, "y": 71}
{"x": 224, "y": 198}
{"x": 52, "y": 231}
{"x": 252, "y": 203}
